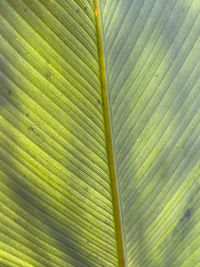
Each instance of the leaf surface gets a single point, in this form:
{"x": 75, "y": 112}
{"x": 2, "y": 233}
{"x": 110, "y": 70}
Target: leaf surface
{"x": 100, "y": 133}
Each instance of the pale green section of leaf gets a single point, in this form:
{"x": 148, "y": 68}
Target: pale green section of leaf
{"x": 152, "y": 51}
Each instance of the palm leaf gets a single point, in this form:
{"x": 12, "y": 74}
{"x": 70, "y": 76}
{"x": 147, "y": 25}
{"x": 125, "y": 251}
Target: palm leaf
{"x": 99, "y": 133}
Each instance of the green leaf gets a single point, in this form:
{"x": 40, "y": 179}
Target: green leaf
{"x": 100, "y": 133}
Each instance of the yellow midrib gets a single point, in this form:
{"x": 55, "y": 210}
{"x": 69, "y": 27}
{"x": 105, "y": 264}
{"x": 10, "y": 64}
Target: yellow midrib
{"x": 109, "y": 140}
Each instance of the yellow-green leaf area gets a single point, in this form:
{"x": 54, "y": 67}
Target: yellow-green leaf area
{"x": 99, "y": 133}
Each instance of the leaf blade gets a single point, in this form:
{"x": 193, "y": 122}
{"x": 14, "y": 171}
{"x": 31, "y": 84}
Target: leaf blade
{"x": 54, "y": 170}
{"x": 153, "y": 82}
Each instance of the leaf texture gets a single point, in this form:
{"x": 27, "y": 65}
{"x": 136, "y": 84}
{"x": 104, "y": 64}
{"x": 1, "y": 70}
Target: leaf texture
{"x": 152, "y": 51}
{"x": 55, "y": 184}
{"x": 92, "y": 155}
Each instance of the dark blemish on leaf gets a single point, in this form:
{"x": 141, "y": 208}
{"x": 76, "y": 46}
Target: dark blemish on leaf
{"x": 30, "y": 128}
{"x": 186, "y": 216}
{"x": 9, "y": 92}
{"x": 156, "y": 75}
{"x": 25, "y": 9}
{"x": 85, "y": 8}
{"x": 27, "y": 115}
{"x": 181, "y": 222}
{"x": 86, "y": 189}
{"x": 98, "y": 101}
{"x": 48, "y": 75}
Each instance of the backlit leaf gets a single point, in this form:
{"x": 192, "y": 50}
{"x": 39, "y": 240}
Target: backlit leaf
{"x": 100, "y": 133}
